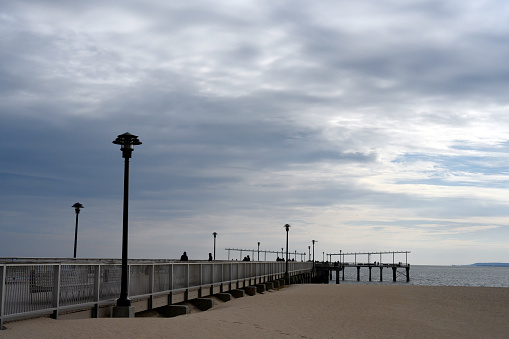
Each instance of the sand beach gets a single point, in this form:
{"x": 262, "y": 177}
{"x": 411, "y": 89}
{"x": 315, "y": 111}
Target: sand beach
{"x": 310, "y": 311}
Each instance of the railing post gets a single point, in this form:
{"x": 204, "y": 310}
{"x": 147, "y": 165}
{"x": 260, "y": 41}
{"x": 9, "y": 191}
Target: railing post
{"x": 171, "y": 277}
{"x": 170, "y": 295}
{"x": 151, "y": 288}
{"x": 56, "y": 290}
{"x": 97, "y": 289}
{"x": 213, "y": 273}
{"x": 3, "y": 277}
{"x": 187, "y": 275}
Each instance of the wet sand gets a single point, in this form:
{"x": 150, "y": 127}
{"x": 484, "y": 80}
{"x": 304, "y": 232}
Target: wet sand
{"x": 310, "y": 311}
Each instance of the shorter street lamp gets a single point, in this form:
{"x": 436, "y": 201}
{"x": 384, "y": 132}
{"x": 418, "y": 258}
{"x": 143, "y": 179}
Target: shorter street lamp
{"x": 313, "y": 241}
{"x": 309, "y": 248}
{"x": 258, "y": 251}
{"x": 77, "y": 206}
{"x": 214, "y": 234}
{"x": 287, "y": 227}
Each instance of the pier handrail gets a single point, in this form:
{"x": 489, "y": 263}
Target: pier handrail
{"x": 33, "y": 288}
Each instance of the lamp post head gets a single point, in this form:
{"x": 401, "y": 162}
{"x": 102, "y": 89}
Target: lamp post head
{"x": 313, "y": 241}
{"x": 214, "y": 234}
{"x": 127, "y": 142}
{"x": 77, "y": 207}
{"x": 287, "y": 227}
{"x": 258, "y": 243}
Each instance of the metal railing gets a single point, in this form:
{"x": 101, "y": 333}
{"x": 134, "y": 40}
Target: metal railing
{"x": 29, "y": 289}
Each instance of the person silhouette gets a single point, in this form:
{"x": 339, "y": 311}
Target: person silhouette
{"x": 210, "y": 257}
{"x": 184, "y": 257}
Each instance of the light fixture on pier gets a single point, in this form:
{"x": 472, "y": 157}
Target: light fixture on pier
{"x": 214, "y": 234}
{"x": 287, "y": 227}
{"x": 313, "y": 241}
{"x": 77, "y": 206}
{"x": 127, "y": 141}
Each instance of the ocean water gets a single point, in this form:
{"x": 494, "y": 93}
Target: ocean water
{"x": 432, "y": 276}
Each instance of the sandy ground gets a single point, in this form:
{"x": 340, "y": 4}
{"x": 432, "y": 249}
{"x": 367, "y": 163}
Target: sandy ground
{"x": 310, "y": 311}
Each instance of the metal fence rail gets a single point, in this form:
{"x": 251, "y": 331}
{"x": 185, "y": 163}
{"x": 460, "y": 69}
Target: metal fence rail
{"x": 29, "y": 289}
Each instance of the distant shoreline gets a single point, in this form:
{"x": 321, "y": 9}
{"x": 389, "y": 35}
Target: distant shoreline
{"x": 491, "y": 264}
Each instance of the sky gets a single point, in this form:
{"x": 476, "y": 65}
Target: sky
{"x": 371, "y": 125}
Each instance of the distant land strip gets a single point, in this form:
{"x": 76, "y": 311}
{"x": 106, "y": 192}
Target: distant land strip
{"x": 496, "y": 264}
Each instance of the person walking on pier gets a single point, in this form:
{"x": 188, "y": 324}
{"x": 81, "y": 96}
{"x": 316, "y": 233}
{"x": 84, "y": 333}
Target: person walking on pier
{"x": 210, "y": 257}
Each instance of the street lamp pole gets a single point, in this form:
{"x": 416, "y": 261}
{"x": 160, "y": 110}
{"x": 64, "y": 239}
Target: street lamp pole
{"x": 313, "y": 241}
{"x": 258, "y": 251}
{"x": 126, "y": 142}
{"x": 286, "y": 269}
{"x": 309, "y": 249}
{"x": 214, "y": 234}
{"x": 77, "y": 207}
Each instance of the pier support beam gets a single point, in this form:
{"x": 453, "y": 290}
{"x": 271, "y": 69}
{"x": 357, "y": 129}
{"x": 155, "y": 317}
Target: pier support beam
{"x": 394, "y": 273}
{"x": 381, "y": 271}
{"x": 358, "y": 273}
{"x": 343, "y": 269}
{"x": 223, "y": 296}
{"x": 407, "y": 273}
{"x": 337, "y": 276}
{"x": 260, "y": 288}
{"x": 203, "y": 304}
{"x": 250, "y": 290}
{"x": 369, "y": 273}
{"x": 171, "y": 311}
{"x": 237, "y": 293}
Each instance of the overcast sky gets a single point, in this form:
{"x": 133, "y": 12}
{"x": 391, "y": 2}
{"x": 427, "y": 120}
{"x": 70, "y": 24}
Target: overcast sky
{"x": 366, "y": 125}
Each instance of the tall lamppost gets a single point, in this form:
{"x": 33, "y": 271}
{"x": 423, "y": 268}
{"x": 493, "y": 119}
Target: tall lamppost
{"x": 77, "y": 206}
{"x": 214, "y": 234}
{"x": 287, "y": 227}
{"x": 258, "y": 251}
{"x": 313, "y": 241}
{"x": 127, "y": 141}
{"x": 309, "y": 249}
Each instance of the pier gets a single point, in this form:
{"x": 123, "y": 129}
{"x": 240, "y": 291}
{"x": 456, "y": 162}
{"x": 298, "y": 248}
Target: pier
{"x": 59, "y": 287}
{"x": 326, "y": 269}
